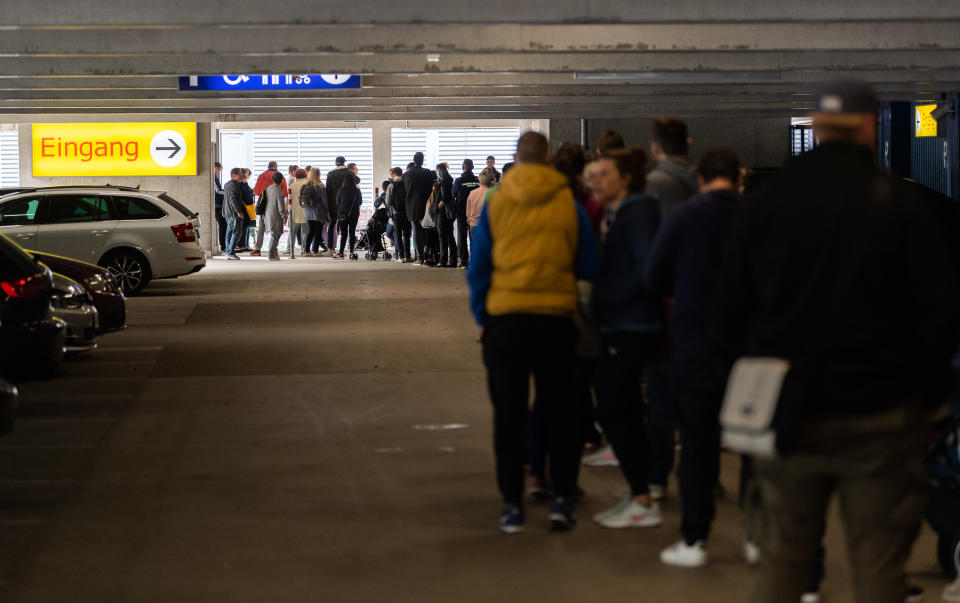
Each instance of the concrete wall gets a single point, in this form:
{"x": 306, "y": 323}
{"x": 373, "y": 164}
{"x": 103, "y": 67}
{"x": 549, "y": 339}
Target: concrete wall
{"x": 762, "y": 142}
{"x": 195, "y": 192}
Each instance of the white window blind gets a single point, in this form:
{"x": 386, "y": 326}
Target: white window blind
{"x": 453, "y": 145}
{"x": 476, "y": 144}
{"x": 404, "y": 142}
{"x": 9, "y": 159}
{"x": 319, "y": 148}
{"x": 315, "y": 147}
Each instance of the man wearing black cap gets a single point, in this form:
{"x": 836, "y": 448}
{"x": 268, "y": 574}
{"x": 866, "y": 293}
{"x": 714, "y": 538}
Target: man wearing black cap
{"x": 839, "y": 269}
{"x": 418, "y": 182}
{"x": 335, "y": 179}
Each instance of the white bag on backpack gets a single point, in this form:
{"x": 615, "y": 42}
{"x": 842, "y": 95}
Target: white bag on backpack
{"x": 750, "y": 404}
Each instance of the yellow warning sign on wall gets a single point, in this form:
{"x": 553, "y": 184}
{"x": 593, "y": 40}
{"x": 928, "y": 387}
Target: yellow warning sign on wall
{"x": 115, "y": 149}
{"x": 926, "y": 125}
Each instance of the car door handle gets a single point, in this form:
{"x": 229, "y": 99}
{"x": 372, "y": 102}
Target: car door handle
{"x": 25, "y": 235}
{"x": 97, "y": 233}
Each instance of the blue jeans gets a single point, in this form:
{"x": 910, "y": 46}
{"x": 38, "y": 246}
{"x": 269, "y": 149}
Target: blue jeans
{"x": 233, "y": 233}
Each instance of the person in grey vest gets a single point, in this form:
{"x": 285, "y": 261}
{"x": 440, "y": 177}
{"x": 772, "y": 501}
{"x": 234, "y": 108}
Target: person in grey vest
{"x": 275, "y": 213}
{"x": 233, "y": 212}
{"x": 671, "y": 182}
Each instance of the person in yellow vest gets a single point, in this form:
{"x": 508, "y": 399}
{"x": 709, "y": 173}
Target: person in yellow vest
{"x": 532, "y": 244}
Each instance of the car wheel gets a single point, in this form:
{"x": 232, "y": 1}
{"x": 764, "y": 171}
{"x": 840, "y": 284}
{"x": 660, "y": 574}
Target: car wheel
{"x": 129, "y": 269}
{"x": 948, "y": 553}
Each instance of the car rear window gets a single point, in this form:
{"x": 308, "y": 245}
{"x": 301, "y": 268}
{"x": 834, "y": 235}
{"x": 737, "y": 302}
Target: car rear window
{"x": 136, "y": 208}
{"x": 69, "y": 209}
{"x": 176, "y": 204}
{"x": 19, "y": 212}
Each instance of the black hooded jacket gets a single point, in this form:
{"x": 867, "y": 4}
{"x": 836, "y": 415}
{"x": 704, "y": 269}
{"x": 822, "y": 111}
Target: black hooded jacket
{"x": 418, "y": 182}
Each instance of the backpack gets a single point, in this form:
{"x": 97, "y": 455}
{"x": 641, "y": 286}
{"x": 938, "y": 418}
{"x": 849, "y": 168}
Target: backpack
{"x": 262, "y": 203}
{"x": 430, "y": 215}
{"x": 399, "y": 198}
{"x": 309, "y": 196}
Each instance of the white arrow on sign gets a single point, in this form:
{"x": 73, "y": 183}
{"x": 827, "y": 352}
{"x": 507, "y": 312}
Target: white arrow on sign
{"x": 168, "y": 148}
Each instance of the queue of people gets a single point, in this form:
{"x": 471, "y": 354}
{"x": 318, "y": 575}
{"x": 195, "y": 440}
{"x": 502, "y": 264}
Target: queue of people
{"x": 430, "y": 212}
{"x": 302, "y": 204}
{"x": 431, "y": 216}
{"x": 644, "y": 292}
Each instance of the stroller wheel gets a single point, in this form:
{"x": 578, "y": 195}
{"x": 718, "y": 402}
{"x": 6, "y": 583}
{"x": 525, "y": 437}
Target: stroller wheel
{"x": 367, "y": 256}
{"x": 386, "y": 256}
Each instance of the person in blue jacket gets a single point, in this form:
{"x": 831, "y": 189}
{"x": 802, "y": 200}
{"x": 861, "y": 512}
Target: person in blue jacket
{"x": 629, "y": 317}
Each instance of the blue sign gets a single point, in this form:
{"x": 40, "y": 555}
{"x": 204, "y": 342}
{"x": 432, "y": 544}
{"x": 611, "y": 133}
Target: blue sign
{"x": 247, "y": 83}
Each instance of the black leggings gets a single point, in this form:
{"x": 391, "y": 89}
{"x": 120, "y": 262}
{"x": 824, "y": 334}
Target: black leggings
{"x": 620, "y": 405}
{"x": 314, "y": 237}
{"x": 401, "y": 235}
{"x": 348, "y": 227}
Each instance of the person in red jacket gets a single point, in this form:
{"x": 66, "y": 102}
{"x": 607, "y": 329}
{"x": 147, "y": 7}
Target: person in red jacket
{"x": 263, "y": 181}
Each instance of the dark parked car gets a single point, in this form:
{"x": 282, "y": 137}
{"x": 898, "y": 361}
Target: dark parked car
{"x": 108, "y": 299}
{"x": 72, "y": 305}
{"x": 31, "y": 339}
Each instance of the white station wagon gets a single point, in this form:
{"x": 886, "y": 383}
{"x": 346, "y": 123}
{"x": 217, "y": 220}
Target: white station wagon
{"x": 137, "y": 235}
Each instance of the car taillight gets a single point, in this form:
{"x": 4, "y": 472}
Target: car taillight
{"x": 32, "y": 287}
{"x": 184, "y": 233}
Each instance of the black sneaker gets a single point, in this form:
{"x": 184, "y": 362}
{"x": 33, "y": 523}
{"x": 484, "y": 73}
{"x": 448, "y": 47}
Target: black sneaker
{"x": 561, "y": 515}
{"x": 914, "y": 594}
{"x": 511, "y": 519}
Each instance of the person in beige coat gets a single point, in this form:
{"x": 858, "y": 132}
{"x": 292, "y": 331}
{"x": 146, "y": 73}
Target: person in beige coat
{"x": 298, "y": 215}
{"x": 476, "y": 198}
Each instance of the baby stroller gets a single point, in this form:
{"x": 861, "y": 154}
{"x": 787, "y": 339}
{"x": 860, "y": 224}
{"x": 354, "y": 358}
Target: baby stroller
{"x": 943, "y": 501}
{"x": 372, "y": 239}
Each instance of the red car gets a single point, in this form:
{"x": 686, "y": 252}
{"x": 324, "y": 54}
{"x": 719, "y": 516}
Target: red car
{"x": 108, "y": 299}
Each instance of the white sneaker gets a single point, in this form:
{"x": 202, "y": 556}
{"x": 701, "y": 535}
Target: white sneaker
{"x": 952, "y": 592}
{"x": 602, "y": 458}
{"x": 751, "y": 553}
{"x": 682, "y": 554}
{"x": 625, "y": 500}
{"x": 657, "y": 492}
{"x": 630, "y": 514}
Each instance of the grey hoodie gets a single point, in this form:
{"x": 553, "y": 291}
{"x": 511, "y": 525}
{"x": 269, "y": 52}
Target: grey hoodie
{"x": 671, "y": 182}
{"x": 232, "y": 200}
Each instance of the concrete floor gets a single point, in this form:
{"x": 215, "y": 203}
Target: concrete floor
{"x": 312, "y": 431}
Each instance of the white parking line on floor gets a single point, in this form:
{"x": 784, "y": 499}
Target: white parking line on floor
{"x": 55, "y": 420}
{"x": 50, "y": 447}
{"x": 36, "y": 482}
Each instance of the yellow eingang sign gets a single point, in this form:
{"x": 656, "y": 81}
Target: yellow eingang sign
{"x": 115, "y": 149}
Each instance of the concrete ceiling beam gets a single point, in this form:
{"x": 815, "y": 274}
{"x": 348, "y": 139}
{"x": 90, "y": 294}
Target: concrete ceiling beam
{"x": 481, "y": 38}
{"x": 647, "y": 80}
{"x": 570, "y": 93}
{"x": 174, "y": 63}
{"x": 150, "y": 12}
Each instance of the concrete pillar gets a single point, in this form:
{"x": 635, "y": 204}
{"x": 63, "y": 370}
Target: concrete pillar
{"x": 564, "y": 130}
{"x": 195, "y": 192}
{"x": 381, "y": 152}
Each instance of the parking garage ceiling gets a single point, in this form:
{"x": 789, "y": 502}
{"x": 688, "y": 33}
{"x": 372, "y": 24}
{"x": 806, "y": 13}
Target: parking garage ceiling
{"x": 457, "y": 60}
